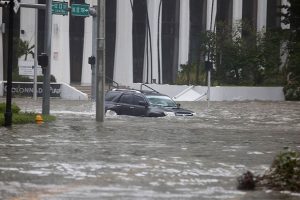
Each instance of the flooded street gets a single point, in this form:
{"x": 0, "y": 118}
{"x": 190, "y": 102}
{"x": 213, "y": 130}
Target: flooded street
{"x": 140, "y": 158}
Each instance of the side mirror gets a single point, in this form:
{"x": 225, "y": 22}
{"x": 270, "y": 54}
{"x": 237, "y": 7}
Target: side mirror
{"x": 178, "y": 105}
{"x": 143, "y": 103}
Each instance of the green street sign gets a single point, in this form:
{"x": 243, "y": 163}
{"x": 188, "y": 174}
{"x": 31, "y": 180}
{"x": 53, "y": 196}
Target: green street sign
{"x": 60, "y": 8}
{"x": 81, "y": 10}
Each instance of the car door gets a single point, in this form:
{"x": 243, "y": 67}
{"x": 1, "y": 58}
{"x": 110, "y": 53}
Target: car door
{"x": 138, "y": 107}
{"x": 124, "y": 104}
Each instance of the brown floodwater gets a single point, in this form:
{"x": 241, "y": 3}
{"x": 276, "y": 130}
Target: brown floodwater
{"x": 126, "y": 157}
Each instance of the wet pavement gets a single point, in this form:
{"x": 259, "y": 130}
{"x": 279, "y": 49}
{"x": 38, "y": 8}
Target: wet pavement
{"x": 126, "y": 157}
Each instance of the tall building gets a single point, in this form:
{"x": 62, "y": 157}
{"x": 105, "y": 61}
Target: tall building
{"x": 146, "y": 40}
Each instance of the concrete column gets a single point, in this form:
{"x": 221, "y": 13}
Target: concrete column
{"x": 1, "y": 47}
{"x": 237, "y": 10}
{"x": 284, "y": 10}
{"x": 283, "y": 52}
{"x": 60, "y": 63}
{"x": 123, "y": 69}
{"x": 184, "y": 32}
{"x": 86, "y": 75}
{"x": 262, "y": 6}
{"x": 153, "y": 9}
{"x": 237, "y": 15}
{"x": 211, "y": 14}
{"x": 27, "y": 23}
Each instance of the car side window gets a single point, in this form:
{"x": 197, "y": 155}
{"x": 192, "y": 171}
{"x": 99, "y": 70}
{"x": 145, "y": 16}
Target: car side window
{"x": 137, "y": 99}
{"x": 126, "y": 98}
{"x": 110, "y": 96}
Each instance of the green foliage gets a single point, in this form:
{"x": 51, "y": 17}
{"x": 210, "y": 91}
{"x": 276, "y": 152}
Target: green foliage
{"x": 285, "y": 171}
{"x": 21, "y": 117}
{"x": 19, "y": 78}
{"x": 292, "y": 65}
{"x": 292, "y": 92}
{"x": 25, "y": 118}
{"x": 23, "y": 48}
{"x": 188, "y": 75}
{"x": 14, "y": 108}
{"x": 246, "y": 57}
{"x": 241, "y": 56}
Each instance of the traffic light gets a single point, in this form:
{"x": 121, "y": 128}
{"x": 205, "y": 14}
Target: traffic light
{"x": 92, "y": 60}
{"x": 208, "y": 65}
{"x": 43, "y": 61}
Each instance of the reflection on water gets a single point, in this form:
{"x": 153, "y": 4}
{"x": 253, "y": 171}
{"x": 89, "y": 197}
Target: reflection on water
{"x": 145, "y": 158}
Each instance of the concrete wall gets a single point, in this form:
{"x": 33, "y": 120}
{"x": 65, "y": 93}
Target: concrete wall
{"x": 70, "y": 93}
{"x": 191, "y": 93}
{"x": 67, "y": 92}
{"x": 218, "y": 93}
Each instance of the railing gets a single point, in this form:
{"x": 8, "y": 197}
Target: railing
{"x": 143, "y": 84}
{"x": 111, "y": 83}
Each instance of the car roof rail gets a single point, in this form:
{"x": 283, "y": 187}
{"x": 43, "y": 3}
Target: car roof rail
{"x": 126, "y": 90}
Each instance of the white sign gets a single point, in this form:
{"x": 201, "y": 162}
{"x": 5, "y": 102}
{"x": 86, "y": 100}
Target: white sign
{"x": 26, "y": 68}
{"x": 92, "y": 2}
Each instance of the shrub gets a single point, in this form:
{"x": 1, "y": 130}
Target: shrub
{"x": 21, "y": 117}
{"x": 292, "y": 92}
{"x": 14, "y": 108}
{"x": 25, "y": 118}
{"x": 284, "y": 173}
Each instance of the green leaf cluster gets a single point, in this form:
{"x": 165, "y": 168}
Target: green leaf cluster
{"x": 14, "y": 108}
{"x": 23, "y": 47}
{"x": 292, "y": 64}
{"x": 284, "y": 173}
{"x": 21, "y": 117}
{"x": 241, "y": 56}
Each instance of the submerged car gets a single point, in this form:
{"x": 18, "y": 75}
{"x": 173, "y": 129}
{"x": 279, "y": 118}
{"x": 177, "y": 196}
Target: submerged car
{"x": 142, "y": 103}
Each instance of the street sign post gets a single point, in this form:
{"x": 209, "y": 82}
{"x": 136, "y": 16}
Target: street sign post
{"x": 81, "y": 10}
{"x": 60, "y": 8}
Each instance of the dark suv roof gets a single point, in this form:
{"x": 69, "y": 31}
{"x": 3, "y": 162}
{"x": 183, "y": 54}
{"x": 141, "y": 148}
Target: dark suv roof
{"x": 114, "y": 92}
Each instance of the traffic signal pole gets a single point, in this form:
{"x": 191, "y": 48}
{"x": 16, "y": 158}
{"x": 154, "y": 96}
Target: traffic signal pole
{"x": 47, "y": 75}
{"x": 8, "y": 113}
{"x": 100, "y": 69}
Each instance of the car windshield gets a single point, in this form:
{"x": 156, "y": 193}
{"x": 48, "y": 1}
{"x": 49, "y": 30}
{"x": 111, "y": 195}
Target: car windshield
{"x": 163, "y": 101}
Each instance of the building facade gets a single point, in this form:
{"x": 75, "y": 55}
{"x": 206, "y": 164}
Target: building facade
{"x": 146, "y": 40}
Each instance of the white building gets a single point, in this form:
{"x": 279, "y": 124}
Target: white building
{"x": 146, "y": 40}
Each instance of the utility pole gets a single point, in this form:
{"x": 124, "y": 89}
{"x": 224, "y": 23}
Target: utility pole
{"x": 35, "y": 55}
{"x": 94, "y": 52}
{"x": 8, "y": 113}
{"x": 47, "y": 74}
{"x": 100, "y": 69}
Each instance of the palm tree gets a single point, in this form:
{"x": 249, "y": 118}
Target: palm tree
{"x": 23, "y": 48}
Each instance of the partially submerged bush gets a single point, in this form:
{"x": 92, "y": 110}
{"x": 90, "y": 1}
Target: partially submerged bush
{"x": 246, "y": 181}
{"x": 284, "y": 173}
{"x": 14, "y": 108}
{"x": 21, "y": 117}
{"x": 292, "y": 92}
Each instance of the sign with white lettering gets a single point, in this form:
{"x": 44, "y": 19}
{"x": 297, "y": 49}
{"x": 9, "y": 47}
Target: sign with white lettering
{"x": 26, "y": 68}
{"x": 80, "y": 10}
{"x": 26, "y": 89}
{"x": 60, "y": 8}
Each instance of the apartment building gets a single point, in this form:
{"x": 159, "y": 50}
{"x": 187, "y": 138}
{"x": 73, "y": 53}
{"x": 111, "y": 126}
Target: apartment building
{"x": 146, "y": 40}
